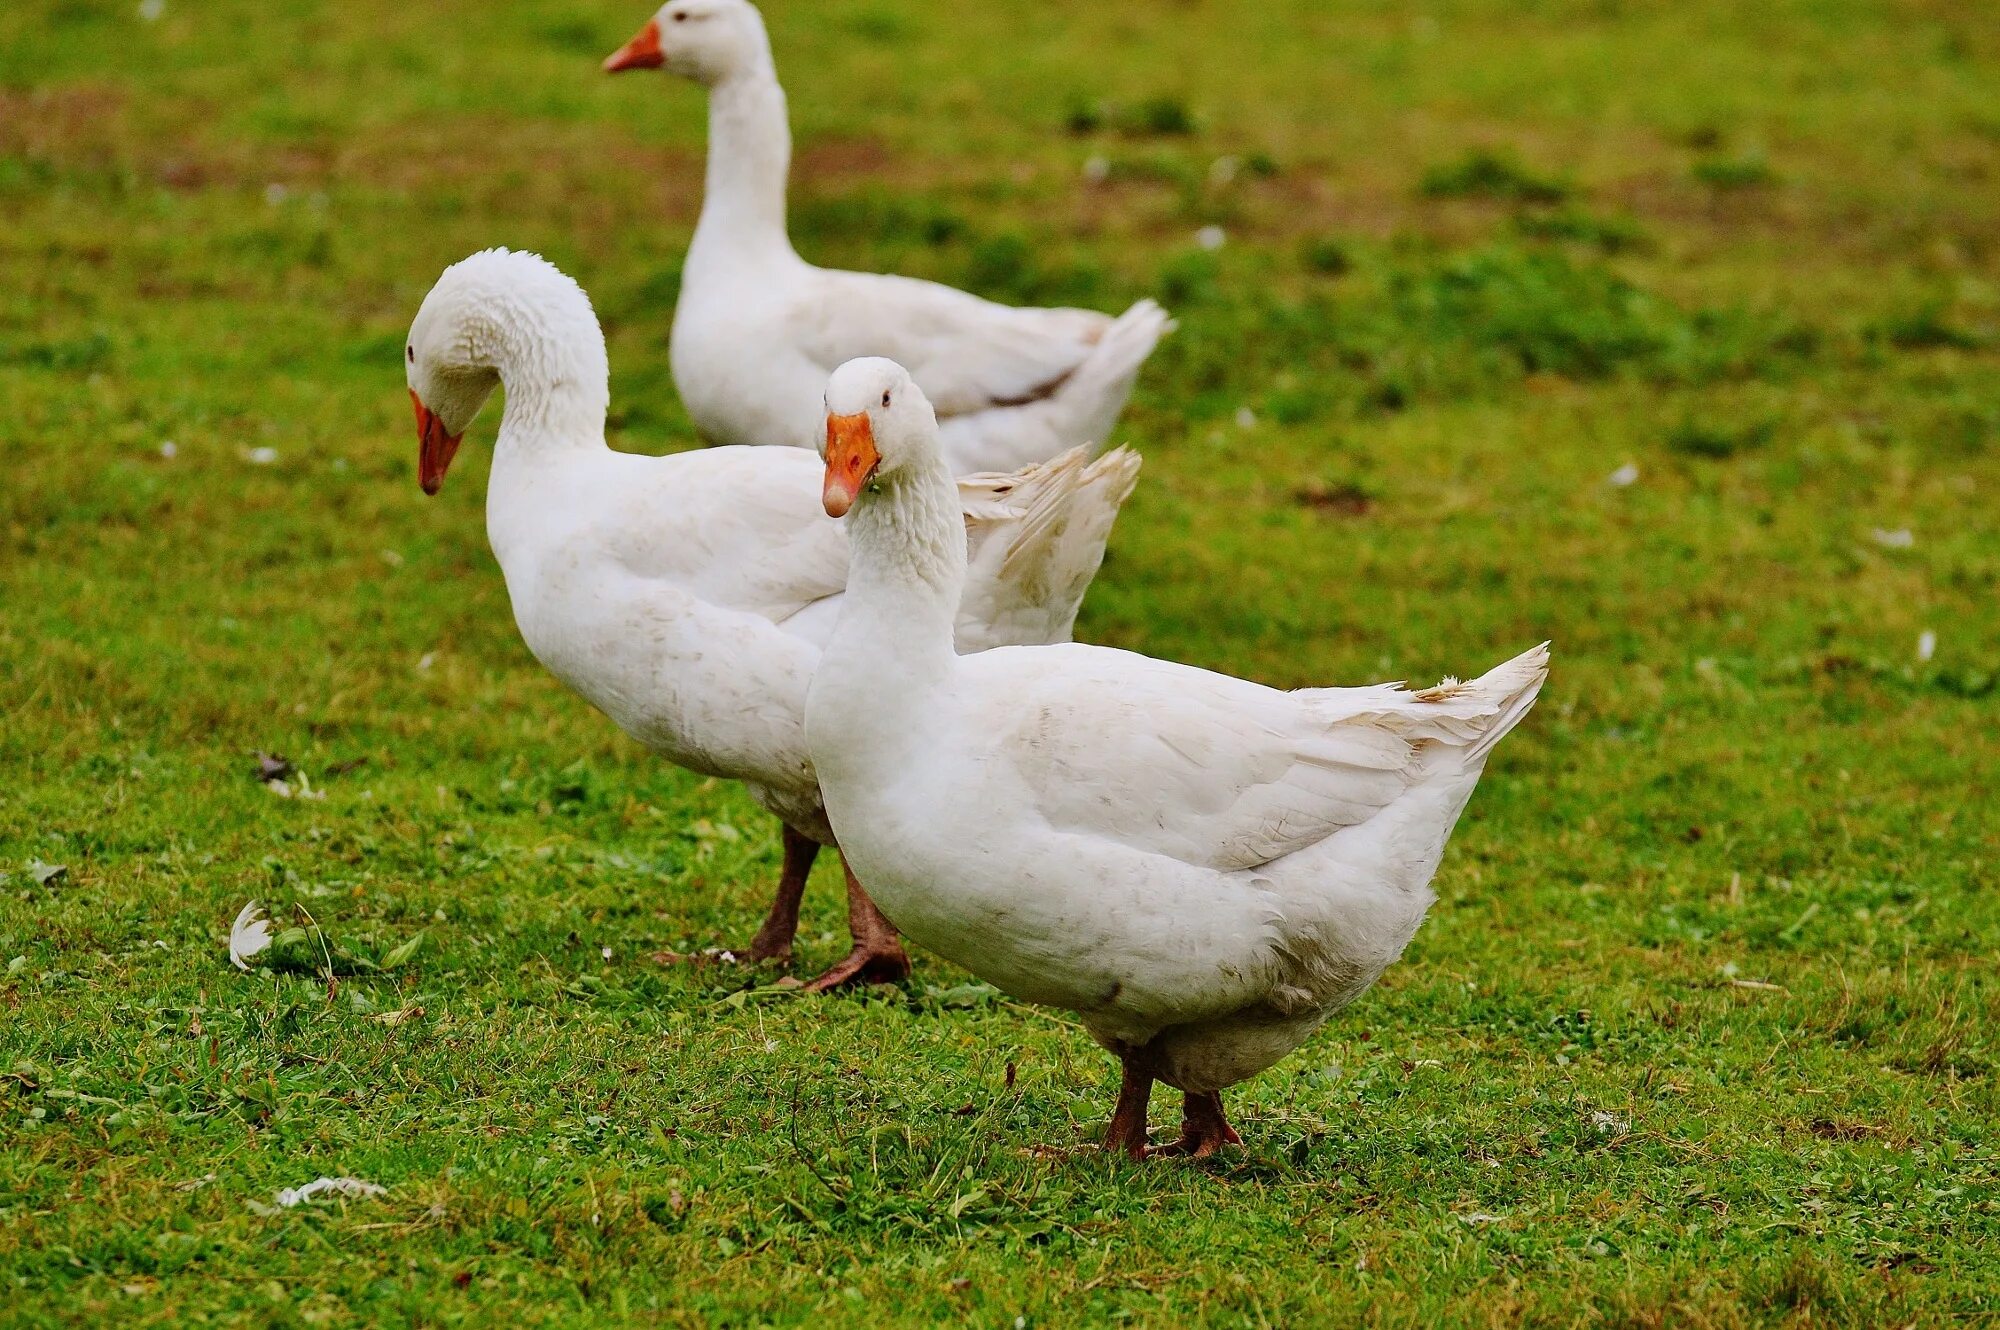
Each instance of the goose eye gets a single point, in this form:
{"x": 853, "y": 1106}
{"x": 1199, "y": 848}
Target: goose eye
{"x": 885, "y": 399}
{"x": 410, "y": 354}
{"x": 680, "y": 16}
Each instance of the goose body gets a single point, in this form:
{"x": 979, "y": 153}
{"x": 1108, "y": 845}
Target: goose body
{"x": 757, "y": 329}
{"x": 1203, "y": 869}
{"x": 688, "y": 597}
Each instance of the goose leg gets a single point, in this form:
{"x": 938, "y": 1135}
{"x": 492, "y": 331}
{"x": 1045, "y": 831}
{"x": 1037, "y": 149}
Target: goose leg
{"x": 1127, "y": 1129}
{"x": 774, "y": 940}
{"x": 878, "y": 956}
{"x": 1204, "y": 1129}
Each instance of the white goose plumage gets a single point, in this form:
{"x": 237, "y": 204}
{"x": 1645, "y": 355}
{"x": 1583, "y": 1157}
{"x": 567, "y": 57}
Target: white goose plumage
{"x": 758, "y": 329}
{"x": 688, "y": 596}
{"x": 1201, "y": 867}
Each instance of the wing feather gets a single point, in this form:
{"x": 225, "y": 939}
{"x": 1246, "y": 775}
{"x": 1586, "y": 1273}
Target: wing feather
{"x": 967, "y": 354}
{"x": 1215, "y": 771}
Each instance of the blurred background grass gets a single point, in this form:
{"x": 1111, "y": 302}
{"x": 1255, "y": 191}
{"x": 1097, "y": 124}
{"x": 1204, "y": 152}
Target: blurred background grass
{"x": 1702, "y": 1027}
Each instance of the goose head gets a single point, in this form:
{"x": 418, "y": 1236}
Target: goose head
{"x": 879, "y": 427}
{"x": 448, "y": 374}
{"x": 704, "y": 40}
{"x": 500, "y": 314}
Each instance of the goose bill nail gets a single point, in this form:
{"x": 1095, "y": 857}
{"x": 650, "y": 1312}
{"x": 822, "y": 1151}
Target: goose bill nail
{"x": 642, "y": 52}
{"x": 851, "y": 460}
{"x": 435, "y": 448}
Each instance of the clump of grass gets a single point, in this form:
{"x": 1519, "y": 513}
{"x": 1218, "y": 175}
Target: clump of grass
{"x": 577, "y": 36}
{"x": 1408, "y": 324}
{"x": 880, "y": 25}
{"x": 1967, "y": 683}
{"x": 1964, "y": 423}
{"x": 1612, "y": 235}
{"x": 1388, "y": 392}
{"x": 1926, "y": 328}
{"x": 1485, "y": 173}
{"x": 1004, "y": 262}
{"x": 887, "y": 217}
{"x": 1161, "y": 167}
{"x": 1718, "y": 440}
{"x": 1298, "y": 404}
{"x": 1008, "y": 266}
{"x": 1159, "y": 116}
{"x": 1085, "y": 117}
{"x": 1462, "y": 324}
{"x": 88, "y": 351}
{"x": 1542, "y": 310}
{"x": 1750, "y": 170}
{"x": 1326, "y": 256}
{"x": 1188, "y": 278}
{"x": 659, "y": 289}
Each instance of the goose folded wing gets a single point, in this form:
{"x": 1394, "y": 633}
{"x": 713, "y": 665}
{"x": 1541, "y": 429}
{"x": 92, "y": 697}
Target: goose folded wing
{"x": 737, "y": 527}
{"x": 967, "y": 354}
{"x": 1211, "y": 770}
{"x": 1034, "y": 540}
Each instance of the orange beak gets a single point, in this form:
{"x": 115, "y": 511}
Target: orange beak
{"x": 642, "y": 52}
{"x": 435, "y": 448}
{"x": 851, "y": 460}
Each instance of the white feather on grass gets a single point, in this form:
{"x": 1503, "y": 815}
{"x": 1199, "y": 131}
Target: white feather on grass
{"x": 250, "y": 936}
{"x": 357, "y": 1189}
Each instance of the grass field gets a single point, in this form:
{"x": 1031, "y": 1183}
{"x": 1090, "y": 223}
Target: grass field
{"x": 1703, "y": 1028}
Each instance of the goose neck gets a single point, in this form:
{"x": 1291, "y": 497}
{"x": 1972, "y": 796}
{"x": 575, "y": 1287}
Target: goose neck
{"x": 907, "y": 572}
{"x": 749, "y": 157}
{"x": 550, "y": 358}
{"x": 547, "y": 413}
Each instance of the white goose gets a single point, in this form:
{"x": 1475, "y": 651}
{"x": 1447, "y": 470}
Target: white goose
{"x": 688, "y": 596}
{"x": 758, "y": 328}
{"x": 1203, "y": 869}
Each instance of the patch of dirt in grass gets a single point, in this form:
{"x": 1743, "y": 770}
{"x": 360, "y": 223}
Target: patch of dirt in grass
{"x": 841, "y": 161}
{"x": 1345, "y": 498}
{"x": 478, "y": 149}
{"x": 1846, "y": 1129}
{"x": 48, "y": 120}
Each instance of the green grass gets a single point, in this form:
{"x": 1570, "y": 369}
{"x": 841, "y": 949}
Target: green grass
{"x": 1702, "y": 1030}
